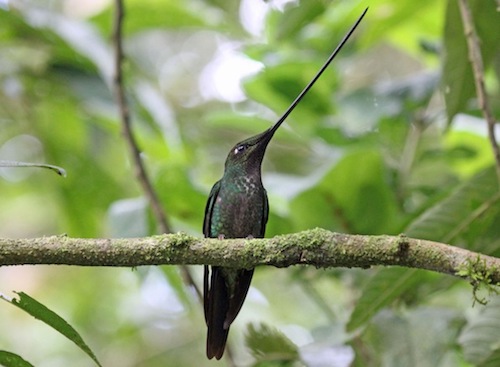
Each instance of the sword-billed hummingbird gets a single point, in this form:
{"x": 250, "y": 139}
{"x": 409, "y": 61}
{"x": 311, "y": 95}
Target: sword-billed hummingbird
{"x": 237, "y": 207}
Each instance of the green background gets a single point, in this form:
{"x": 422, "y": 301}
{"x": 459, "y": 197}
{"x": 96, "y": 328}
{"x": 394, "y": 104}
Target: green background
{"x": 389, "y": 141}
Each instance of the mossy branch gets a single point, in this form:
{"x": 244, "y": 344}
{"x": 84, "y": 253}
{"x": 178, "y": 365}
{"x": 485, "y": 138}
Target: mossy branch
{"x": 316, "y": 247}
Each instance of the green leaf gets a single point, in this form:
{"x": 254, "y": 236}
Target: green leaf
{"x": 155, "y": 14}
{"x": 280, "y": 28}
{"x": 49, "y": 317}
{"x": 380, "y": 291}
{"x": 449, "y": 218}
{"x": 480, "y": 338}
{"x": 458, "y": 81}
{"x": 467, "y": 153}
{"x": 492, "y": 361}
{"x": 9, "y": 359}
{"x": 417, "y": 338}
{"x": 320, "y": 211}
{"x": 270, "y": 347}
{"x": 187, "y": 201}
{"x": 358, "y": 186}
{"x": 446, "y": 220}
{"x": 354, "y": 196}
{"x": 452, "y": 216}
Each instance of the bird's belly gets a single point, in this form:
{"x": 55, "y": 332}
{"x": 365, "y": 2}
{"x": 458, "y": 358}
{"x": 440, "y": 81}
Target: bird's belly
{"x": 238, "y": 215}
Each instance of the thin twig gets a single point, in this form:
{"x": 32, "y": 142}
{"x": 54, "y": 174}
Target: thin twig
{"x": 140, "y": 170}
{"x": 476, "y": 60}
{"x": 124, "y": 111}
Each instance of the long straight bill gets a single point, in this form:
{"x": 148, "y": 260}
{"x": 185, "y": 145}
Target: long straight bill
{"x": 316, "y": 77}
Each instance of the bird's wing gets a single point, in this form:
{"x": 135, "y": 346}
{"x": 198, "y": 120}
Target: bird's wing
{"x": 265, "y": 215}
{"x": 207, "y": 222}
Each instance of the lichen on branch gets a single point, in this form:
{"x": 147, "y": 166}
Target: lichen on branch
{"x": 316, "y": 247}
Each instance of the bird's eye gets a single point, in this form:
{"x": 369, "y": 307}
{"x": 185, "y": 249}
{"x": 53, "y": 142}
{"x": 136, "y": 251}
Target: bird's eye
{"x": 240, "y": 148}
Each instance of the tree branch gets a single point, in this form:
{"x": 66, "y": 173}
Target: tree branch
{"x": 316, "y": 247}
{"x": 140, "y": 169}
{"x": 476, "y": 60}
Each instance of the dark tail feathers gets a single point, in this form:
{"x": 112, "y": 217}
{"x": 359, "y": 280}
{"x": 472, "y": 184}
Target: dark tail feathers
{"x": 222, "y": 305}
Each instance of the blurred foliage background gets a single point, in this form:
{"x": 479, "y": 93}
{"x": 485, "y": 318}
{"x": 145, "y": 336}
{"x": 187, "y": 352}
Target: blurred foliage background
{"x": 389, "y": 141}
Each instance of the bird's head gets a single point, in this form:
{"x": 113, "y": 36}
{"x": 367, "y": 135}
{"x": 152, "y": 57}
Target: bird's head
{"x": 249, "y": 153}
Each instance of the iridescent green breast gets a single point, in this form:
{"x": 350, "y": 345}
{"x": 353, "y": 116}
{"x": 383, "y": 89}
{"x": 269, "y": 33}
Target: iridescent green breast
{"x": 240, "y": 208}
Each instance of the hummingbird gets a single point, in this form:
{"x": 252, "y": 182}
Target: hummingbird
{"x": 238, "y": 207}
